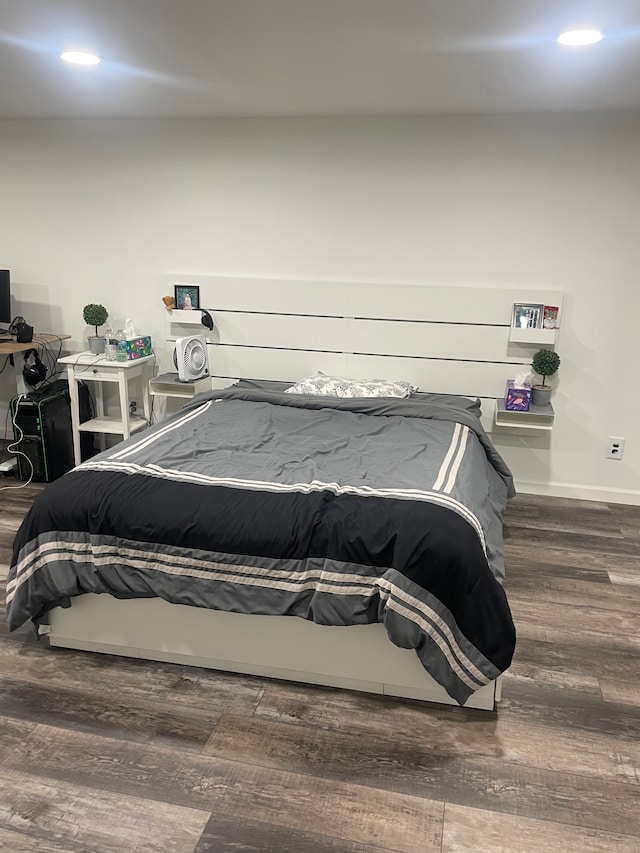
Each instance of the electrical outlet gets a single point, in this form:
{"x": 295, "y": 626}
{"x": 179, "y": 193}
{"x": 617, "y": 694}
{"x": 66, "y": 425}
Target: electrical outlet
{"x": 133, "y": 406}
{"x": 615, "y": 448}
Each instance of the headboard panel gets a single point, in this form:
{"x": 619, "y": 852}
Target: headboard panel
{"x": 437, "y": 304}
{"x": 270, "y": 296}
{"x": 235, "y": 328}
{"x": 257, "y": 363}
{"x": 378, "y": 337}
{"x": 443, "y": 339}
{"x": 427, "y": 340}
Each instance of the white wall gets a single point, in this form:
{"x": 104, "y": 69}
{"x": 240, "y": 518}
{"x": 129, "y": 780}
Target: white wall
{"x": 100, "y": 211}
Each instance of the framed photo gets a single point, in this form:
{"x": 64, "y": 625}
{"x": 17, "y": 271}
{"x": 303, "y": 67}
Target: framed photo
{"x": 550, "y": 319}
{"x": 187, "y": 296}
{"x": 527, "y": 315}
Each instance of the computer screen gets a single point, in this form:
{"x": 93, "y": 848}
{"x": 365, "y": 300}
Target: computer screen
{"x": 5, "y": 298}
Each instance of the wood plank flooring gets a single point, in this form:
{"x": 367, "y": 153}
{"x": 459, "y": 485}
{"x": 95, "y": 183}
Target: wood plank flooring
{"x": 101, "y": 754}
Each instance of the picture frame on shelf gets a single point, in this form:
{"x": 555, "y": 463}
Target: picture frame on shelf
{"x": 187, "y": 297}
{"x": 550, "y": 317}
{"x": 527, "y": 315}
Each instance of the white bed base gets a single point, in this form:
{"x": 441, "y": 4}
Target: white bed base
{"x": 360, "y": 657}
{"x": 446, "y": 339}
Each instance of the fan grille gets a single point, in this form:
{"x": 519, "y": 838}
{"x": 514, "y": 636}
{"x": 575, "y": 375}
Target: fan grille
{"x": 193, "y": 357}
{"x": 190, "y": 357}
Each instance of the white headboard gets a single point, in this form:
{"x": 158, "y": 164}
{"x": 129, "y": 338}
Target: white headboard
{"x": 442, "y": 339}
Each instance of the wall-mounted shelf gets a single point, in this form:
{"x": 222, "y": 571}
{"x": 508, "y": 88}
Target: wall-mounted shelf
{"x": 168, "y": 385}
{"x": 186, "y": 318}
{"x": 538, "y": 337}
{"x": 531, "y": 320}
{"x": 538, "y": 417}
{"x": 185, "y": 323}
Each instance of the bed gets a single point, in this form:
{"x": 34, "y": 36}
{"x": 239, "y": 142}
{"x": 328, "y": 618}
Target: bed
{"x": 374, "y": 521}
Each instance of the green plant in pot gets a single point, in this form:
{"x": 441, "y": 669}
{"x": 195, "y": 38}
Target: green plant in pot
{"x": 95, "y": 315}
{"x": 545, "y": 363}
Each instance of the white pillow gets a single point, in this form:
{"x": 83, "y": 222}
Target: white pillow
{"x": 336, "y": 386}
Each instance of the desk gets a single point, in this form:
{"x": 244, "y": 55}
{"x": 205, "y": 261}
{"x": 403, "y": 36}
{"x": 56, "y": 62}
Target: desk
{"x": 86, "y": 367}
{"x": 10, "y": 347}
{"x": 39, "y": 341}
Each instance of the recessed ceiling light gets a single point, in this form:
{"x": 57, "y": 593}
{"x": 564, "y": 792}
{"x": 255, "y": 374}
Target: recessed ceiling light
{"x": 78, "y": 57}
{"x": 577, "y": 38}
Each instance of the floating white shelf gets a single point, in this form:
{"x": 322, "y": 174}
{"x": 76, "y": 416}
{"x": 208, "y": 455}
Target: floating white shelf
{"x": 168, "y": 385}
{"x": 547, "y": 307}
{"x": 186, "y": 318}
{"x": 539, "y": 337}
{"x": 538, "y": 417}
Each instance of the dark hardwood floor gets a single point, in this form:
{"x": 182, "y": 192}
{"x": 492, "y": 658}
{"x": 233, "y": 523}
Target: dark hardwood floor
{"x": 109, "y": 755}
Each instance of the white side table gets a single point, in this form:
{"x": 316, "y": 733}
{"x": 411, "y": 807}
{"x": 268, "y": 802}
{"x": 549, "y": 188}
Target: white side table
{"x": 96, "y": 368}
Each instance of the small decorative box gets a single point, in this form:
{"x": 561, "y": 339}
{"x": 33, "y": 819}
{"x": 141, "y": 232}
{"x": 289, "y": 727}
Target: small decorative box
{"x": 139, "y": 347}
{"x": 517, "y": 399}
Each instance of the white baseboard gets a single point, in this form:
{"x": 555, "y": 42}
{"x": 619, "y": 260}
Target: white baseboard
{"x": 580, "y": 491}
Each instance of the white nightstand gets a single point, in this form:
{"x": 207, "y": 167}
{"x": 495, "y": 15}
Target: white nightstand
{"x": 87, "y": 367}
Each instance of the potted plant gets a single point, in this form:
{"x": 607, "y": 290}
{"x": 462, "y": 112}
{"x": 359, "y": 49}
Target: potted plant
{"x": 95, "y": 315}
{"x": 545, "y": 363}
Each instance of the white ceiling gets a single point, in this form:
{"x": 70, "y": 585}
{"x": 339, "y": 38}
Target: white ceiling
{"x": 205, "y": 58}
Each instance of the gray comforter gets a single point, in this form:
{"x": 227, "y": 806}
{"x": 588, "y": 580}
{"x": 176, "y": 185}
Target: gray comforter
{"x": 257, "y": 501}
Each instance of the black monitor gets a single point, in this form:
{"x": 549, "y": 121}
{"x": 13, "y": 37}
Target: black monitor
{"x": 5, "y": 297}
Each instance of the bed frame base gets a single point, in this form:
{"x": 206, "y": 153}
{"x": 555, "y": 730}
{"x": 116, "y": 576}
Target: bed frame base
{"x": 357, "y": 658}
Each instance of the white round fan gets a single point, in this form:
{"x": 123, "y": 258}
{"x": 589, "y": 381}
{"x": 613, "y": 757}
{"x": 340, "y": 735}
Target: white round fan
{"x": 190, "y": 358}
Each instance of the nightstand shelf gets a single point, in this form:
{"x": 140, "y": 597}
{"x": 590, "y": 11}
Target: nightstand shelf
{"x": 112, "y": 426}
{"x": 168, "y": 385}
{"x": 538, "y": 417}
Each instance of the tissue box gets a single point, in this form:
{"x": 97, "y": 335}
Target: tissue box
{"x": 517, "y": 399}
{"x": 139, "y": 347}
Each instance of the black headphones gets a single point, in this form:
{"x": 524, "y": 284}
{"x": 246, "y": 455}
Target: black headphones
{"x": 206, "y": 319}
{"x": 34, "y": 372}
{"x": 22, "y": 330}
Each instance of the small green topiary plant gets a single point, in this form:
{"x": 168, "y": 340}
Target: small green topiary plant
{"x": 95, "y": 315}
{"x": 545, "y": 363}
